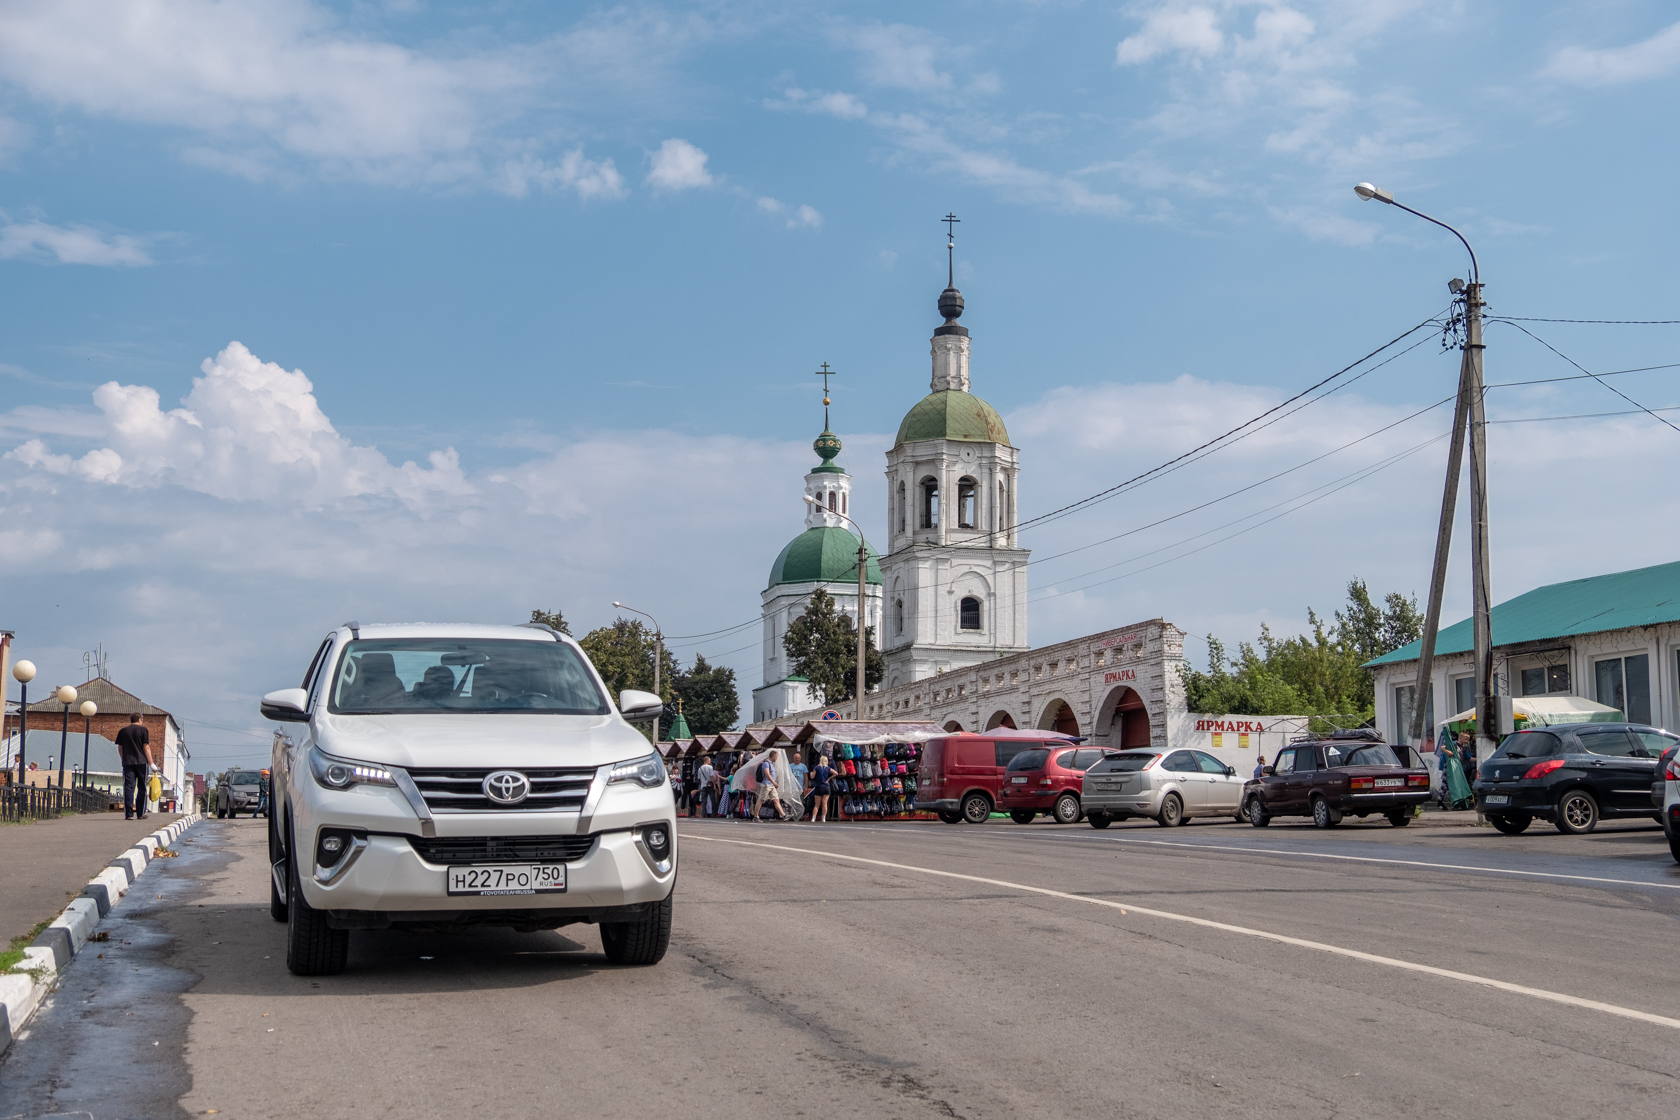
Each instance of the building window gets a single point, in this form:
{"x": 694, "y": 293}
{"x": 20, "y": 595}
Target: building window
{"x": 842, "y": 503}
{"x": 930, "y": 504}
{"x": 1541, "y": 679}
{"x": 1464, "y": 693}
{"x": 901, "y": 507}
{"x": 966, "y": 518}
{"x": 968, "y": 613}
{"x": 1625, "y": 683}
{"x": 831, "y": 501}
{"x": 1405, "y": 699}
{"x": 898, "y": 616}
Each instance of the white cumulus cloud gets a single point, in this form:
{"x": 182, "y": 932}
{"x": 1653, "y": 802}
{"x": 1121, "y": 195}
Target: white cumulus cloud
{"x": 679, "y": 166}
{"x": 71, "y": 244}
{"x": 1650, "y": 58}
{"x": 1193, "y": 30}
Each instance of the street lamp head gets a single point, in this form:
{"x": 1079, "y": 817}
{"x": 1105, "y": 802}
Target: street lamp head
{"x": 24, "y": 671}
{"x": 1368, "y": 192}
{"x": 66, "y": 695}
{"x": 618, "y": 604}
{"x": 1455, "y": 285}
{"x": 89, "y": 709}
{"x": 810, "y": 501}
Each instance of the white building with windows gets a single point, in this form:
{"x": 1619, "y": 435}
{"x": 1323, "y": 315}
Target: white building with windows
{"x": 955, "y": 578}
{"x": 1612, "y": 638}
{"x": 825, "y": 556}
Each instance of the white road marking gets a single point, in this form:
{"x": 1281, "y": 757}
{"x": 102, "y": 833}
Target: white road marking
{"x": 1375, "y": 859}
{"x": 1282, "y": 939}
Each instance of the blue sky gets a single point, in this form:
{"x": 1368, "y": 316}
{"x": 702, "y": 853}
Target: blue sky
{"x": 414, "y": 310}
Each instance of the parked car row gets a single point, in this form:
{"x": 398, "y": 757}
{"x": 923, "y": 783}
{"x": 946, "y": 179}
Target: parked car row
{"x": 1573, "y": 776}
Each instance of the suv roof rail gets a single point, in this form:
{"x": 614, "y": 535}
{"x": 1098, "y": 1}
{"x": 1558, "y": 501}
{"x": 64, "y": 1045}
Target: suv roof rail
{"x": 541, "y": 626}
{"x": 355, "y": 629}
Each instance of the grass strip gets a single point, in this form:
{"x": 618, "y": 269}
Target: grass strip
{"x": 11, "y": 956}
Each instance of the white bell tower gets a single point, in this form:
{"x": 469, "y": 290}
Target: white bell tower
{"x": 954, "y": 578}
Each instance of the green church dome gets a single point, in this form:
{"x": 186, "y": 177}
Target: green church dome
{"x": 823, "y": 555}
{"x": 952, "y": 414}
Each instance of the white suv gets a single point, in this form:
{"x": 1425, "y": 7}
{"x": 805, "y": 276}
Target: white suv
{"x": 442, "y": 777}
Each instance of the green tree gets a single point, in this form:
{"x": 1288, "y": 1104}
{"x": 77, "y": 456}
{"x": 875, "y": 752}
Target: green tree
{"x": 822, "y": 647}
{"x": 623, "y": 654}
{"x": 552, "y": 618}
{"x": 710, "y": 702}
{"x": 1319, "y": 673}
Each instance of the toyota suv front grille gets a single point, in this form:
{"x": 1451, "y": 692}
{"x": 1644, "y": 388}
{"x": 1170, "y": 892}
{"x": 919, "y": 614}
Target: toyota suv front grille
{"x": 495, "y": 849}
{"x": 462, "y": 791}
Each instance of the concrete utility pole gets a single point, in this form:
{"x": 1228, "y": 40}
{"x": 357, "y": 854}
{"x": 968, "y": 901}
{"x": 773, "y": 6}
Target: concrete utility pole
{"x": 1468, "y": 414}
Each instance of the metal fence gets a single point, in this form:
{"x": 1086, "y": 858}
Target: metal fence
{"x": 28, "y": 803}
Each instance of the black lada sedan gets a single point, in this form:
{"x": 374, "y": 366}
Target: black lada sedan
{"x": 1573, "y": 775}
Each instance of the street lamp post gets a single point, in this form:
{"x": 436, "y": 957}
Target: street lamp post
{"x": 89, "y": 710}
{"x": 658, "y": 655}
{"x": 863, "y": 569}
{"x": 66, "y": 696}
{"x": 24, "y": 671}
{"x": 1467, "y": 414}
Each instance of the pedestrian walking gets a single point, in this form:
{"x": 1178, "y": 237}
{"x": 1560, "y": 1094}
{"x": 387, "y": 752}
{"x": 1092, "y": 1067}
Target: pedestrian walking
{"x": 821, "y": 779}
{"x": 137, "y": 764}
{"x": 766, "y": 779}
{"x": 1456, "y": 792}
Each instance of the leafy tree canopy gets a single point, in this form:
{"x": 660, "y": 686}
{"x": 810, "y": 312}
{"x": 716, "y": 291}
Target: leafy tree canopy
{"x": 822, "y": 647}
{"x": 710, "y": 702}
{"x": 1310, "y": 674}
{"x": 552, "y": 618}
{"x": 623, "y": 655}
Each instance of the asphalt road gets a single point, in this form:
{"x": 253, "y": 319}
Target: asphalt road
{"x": 990, "y": 971}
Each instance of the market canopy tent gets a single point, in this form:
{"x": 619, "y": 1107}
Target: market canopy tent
{"x": 1546, "y": 711}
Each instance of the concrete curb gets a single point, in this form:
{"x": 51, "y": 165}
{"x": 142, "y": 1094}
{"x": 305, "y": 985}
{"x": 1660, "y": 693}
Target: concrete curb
{"x": 27, "y": 984}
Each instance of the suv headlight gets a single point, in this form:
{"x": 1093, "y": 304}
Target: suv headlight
{"x": 340, "y": 773}
{"x": 648, "y": 772}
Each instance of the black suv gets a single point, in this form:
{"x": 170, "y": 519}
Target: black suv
{"x": 1573, "y": 775}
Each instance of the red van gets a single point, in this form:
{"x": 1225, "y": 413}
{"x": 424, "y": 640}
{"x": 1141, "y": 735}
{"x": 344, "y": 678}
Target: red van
{"x": 962, "y": 776}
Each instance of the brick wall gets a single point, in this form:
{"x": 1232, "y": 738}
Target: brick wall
{"x": 105, "y": 723}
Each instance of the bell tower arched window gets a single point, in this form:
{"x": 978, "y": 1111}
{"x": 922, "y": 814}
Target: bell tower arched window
{"x": 898, "y": 616}
{"x": 966, "y": 504}
{"x": 831, "y": 501}
{"x": 901, "y": 506}
{"x": 968, "y": 613}
{"x": 930, "y": 503}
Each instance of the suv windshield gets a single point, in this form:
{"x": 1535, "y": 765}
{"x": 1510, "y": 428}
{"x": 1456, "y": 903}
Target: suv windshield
{"x": 384, "y": 675}
{"x": 1377, "y": 754}
{"x": 1123, "y": 762}
{"x": 1029, "y": 760}
{"x": 245, "y": 778}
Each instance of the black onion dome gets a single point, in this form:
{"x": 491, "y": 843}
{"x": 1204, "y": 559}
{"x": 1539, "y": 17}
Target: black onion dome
{"x": 951, "y": 304}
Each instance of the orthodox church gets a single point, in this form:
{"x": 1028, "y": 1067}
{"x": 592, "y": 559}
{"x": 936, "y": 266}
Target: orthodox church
{"x": 954, "y": 580}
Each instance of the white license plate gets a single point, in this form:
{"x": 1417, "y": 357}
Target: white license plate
{"x": 507, "y": 878}
{"x": 1497, "y": 799}
{"x": 1017, "y": 781}
{"x": 1390, "y": 783}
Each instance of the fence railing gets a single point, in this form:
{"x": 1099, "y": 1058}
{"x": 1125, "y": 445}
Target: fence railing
{"x": 26, "y": 803}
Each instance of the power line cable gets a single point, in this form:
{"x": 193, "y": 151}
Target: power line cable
{"x": 1030, "y": 522}
{"x": 1608, "y": 322}
{"x": 1586, "y": 415}
{"x": 1579, "y": 376}
{"x": 1593, "y": 375}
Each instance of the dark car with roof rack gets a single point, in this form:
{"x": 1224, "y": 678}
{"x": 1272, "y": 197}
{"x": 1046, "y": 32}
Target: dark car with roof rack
{"x": 1350, "y": 771}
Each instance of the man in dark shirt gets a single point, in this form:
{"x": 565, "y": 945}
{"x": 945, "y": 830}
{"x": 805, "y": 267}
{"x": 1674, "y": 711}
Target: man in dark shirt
{"x": 136, "y": 764}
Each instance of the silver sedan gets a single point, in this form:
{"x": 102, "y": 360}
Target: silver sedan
{"x": 1171, "y": 786}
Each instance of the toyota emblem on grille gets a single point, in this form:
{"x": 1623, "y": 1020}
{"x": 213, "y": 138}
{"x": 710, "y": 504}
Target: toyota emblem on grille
{"x": 507, "y": 787}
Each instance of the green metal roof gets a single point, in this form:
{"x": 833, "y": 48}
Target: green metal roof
{"x": 952, "y": 414}
{"x": 1642, "y": 597}
{"x": 679, "y": 726}
{"x": 823, "y": 555}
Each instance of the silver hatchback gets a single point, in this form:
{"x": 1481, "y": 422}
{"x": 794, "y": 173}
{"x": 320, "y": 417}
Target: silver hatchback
{"x": 1171, "y": 786}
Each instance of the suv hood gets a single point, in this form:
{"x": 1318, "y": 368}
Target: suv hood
{"x": 450, "y": 739}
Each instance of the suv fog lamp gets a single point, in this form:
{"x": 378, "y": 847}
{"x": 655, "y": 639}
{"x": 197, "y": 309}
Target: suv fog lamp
{"x": 331, "y": 845}
{"x": 648, "y": 772}
{"x": 657, "y": 837}
{"x": 340, "y": 773}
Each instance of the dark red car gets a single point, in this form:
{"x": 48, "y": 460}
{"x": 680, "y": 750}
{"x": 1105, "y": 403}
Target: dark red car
{"x": 1325, "y": 779}
{"x": 1047, "y": 780}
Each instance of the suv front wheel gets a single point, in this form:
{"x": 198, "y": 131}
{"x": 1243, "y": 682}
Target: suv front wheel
{"x": 639, "y": 943}
{"x": 313, "y": 948}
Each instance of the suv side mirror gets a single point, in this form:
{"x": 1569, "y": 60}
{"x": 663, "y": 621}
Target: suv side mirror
{"x": 635, "y": 704}
{"x": 288, "y": 705}
{"x": 1268, "y": 771}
